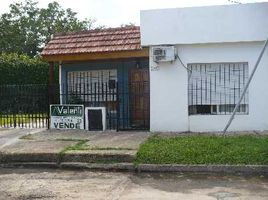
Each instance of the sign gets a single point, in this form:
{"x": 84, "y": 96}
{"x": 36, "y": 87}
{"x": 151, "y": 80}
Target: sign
{"x": 66, "y": 116}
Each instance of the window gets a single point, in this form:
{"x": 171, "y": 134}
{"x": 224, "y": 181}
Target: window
{"x": 215, "y": 88}
{"x": 93, "y": 85}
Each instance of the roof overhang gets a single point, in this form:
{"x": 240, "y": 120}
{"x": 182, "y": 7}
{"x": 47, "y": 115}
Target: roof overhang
{"x": 97, "y": 56}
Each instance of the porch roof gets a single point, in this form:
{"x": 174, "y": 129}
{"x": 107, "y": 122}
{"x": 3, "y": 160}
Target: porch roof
{"x": 123, "y": 42}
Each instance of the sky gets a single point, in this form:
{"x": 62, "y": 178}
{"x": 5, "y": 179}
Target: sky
{"x": 113, "y": 13}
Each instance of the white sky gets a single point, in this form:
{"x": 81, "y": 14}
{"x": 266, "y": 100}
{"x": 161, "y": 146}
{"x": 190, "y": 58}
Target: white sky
{"x": 113, "y": 13}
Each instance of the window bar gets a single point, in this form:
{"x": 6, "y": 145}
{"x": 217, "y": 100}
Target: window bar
{"x": 201, "y": 102}
{"x": 224, "y": 87}
{"x": 80, "y": 88}
{"x": 112, "y": 95}
{"x": 215, "y": 85}
{"x": 95, "y": 93}
{"x": 196, "y": 93}
{"x": 206, "y": 82}
{"x": 210, "y": 81}
{"x": 239, "y": 91}
{"x": 230, "y": 91}
{"x": 243, "y": 82}
{"x": 108, "y": 112}
{"x": 117, "y": 107}
{"x": 192, "y": 103}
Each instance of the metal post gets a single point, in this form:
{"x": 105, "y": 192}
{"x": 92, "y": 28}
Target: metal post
{"x": 246, "y": 87}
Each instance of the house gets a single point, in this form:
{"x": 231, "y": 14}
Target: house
{"x": 216, "y": 49}
{"x": 105, "y": 68}
{"x": 184, "y": 69}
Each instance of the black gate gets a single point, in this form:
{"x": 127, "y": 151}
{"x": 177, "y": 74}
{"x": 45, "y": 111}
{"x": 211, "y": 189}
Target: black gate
{"x": 126, "y": 105}
{"x": 27, "y": 106}
{"x": 24, "y": 106}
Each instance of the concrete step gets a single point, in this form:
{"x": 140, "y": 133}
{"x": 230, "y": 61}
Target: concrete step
{"x": 91, "y": 156}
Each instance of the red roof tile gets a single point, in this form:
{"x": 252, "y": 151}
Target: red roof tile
{"x": 93, "y": 41}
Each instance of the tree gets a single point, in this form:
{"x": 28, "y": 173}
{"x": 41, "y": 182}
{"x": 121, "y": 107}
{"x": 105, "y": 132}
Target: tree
{"x": 27, "y": 28}
{"x": 130, "y": 24}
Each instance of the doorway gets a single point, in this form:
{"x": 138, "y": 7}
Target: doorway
{"x": 139, "y": 100}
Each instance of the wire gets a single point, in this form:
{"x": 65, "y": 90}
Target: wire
{"x": 178, "y": 57}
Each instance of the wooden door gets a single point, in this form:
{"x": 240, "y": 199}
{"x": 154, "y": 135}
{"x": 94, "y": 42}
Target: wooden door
{"x": 139, "y": 98}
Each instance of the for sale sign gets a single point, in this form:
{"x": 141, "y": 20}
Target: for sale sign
{"x": 66, "y": 116}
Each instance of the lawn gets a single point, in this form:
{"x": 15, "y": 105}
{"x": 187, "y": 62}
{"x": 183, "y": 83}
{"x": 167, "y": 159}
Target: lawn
{"x": 203, "y": 149}
{"x": 21, "y": 118}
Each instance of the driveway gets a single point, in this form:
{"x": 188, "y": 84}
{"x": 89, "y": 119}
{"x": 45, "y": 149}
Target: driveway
{"x": 60, "y": 184}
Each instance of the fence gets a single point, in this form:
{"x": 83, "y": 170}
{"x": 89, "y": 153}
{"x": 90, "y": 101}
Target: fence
{"x": 24, "y": 106}
{"x": 127, "y": 105}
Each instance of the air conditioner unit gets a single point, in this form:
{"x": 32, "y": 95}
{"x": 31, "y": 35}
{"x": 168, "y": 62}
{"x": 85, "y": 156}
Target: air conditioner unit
{"x": 95, "y": 118}
{"x": 163, "y": 53}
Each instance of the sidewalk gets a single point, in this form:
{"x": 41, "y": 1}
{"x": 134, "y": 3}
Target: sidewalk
{"x": 22, "y": 145}
{"x": 112, "y": 151}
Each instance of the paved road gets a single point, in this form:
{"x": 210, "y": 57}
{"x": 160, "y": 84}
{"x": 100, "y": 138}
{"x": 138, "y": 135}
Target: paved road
{"x": 62, "y": 184}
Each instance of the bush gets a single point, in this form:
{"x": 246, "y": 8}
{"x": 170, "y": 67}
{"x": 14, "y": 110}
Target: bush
{"x": 22, "y": 69}
{"x": 23, "y": 99}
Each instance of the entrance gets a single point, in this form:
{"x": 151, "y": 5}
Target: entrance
{"x": 139, "y": 98}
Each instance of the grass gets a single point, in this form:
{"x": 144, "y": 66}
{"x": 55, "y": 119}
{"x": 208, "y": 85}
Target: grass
{"x": 82, "y": 146}
{"x": 110, "y": 148}
{"x": 27, "y": 137}
{"x": 79, "y": 146}
{"x": 21, "y": 118}
{"x": 204, "y": 150}
{"x": 71, "y": 139}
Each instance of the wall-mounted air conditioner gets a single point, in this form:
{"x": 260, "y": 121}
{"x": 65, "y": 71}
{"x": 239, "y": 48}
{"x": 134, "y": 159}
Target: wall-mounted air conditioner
{"x": 95, "y": 118}
{"x": 163, "y": 53}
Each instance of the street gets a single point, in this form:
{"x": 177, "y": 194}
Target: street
{"x": 68, "y": 184}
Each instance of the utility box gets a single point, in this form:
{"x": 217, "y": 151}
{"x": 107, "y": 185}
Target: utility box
{"x": 95, "y": 118}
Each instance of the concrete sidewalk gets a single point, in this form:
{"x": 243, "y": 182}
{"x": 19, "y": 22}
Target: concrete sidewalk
{"x": 9, "y": 136}
{"x": 111, "y": 151}
{"x": 69, "y": 146}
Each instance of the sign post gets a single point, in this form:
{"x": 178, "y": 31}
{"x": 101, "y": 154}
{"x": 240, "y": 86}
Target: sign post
{"x": 67, "y": 116}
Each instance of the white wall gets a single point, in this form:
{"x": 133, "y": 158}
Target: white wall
{"x": 168, "y": 98}
{"x": 169, "y": 93}
{"x": 212, "y": 24}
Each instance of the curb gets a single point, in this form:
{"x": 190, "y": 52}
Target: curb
{"x": 69, "y": 157}
{"x": 228, "y": 169}
{"x": 130, "y": 167}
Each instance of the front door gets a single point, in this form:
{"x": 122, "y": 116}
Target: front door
{"x": 139, "y": 98}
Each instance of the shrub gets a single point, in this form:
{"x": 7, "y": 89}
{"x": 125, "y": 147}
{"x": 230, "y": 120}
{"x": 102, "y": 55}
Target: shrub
{"x": 22, "y": 69}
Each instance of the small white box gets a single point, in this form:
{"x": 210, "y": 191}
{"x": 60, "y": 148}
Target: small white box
{"x": 103, "y": 117}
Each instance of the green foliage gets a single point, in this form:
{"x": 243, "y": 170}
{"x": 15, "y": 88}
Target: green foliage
{"x": 204, "y": 150}
{"x": 128, "y": 25}
{"x": 27, "y": 28}
{"x": 81, "y": 145}
{"x": 21, "y": 69}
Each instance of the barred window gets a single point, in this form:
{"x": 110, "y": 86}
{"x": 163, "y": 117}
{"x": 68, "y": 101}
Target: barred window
{"x": 93, "y": 84}
{"x": 215, "y": 88}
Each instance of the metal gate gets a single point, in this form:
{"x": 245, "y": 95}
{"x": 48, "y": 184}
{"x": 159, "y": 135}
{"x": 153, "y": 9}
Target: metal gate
{"x": 127, "y": 105}
{"x": 27, "y": 106}
{"x": 24, "y": 106}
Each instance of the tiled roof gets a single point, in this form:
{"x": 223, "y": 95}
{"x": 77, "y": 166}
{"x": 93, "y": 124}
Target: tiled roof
{"x": 93, "y": 41}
